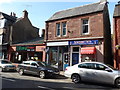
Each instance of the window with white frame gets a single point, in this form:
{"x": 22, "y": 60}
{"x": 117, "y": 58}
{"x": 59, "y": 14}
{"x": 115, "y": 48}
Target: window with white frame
{"x": 58, "y": 29}
{"x": 85, "y": 26}
{"x": 64, "y": 29}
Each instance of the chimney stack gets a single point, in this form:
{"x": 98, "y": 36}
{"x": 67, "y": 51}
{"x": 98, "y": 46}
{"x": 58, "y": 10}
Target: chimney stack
{"x": 13, "y": 14}
{"x": 25, "y": 14}
{"x": 43, "y": 32}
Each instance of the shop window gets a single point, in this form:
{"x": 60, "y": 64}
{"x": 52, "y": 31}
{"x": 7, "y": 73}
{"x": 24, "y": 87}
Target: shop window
{"x": 75, "y": 49}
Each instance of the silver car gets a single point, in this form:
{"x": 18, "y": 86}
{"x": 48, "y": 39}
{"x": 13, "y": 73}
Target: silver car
{"x": 95, "y": 72}
{"x": 6, "y": 65}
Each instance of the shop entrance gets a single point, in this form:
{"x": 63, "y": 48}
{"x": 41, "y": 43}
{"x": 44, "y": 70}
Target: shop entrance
{"x": 75, "y": 55}
{"x": 75, "y": 58}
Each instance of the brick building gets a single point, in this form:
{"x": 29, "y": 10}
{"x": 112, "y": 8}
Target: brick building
{"x": 15, "y": 30}
{"x": 116, "y": 34}
{"x": 78, "y": 34}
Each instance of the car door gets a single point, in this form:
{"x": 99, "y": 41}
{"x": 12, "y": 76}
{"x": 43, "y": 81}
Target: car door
{"x": 101, "y": 75}
{"x": 34, "y": 68}
{"x": 86, "y": 72}
{"x": 26, "y": 67}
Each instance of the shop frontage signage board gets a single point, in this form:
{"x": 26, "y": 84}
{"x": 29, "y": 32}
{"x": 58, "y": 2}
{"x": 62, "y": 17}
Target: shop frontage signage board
{"x": 86, "y": 42}
{"x": 25, "y": 48}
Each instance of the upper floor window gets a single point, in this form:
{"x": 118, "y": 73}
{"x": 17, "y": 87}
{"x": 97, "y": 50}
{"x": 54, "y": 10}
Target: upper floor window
{"x": 58, "y": 29}
{"x": 85, "y": 26}
{"x": 64, "y": 28}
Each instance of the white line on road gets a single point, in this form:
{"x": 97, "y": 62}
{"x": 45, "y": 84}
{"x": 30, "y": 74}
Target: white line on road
{"x": 45, "y": 88}
{"x": 9, "y": 79}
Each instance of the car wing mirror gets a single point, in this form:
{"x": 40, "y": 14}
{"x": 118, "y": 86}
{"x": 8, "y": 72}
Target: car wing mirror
{"x": 108, "y": 70}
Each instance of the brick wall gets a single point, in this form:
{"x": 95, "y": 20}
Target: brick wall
{"x": 74, "y": 27}
{"x": 24, "y": 31}
{"x": 116, "y": 41}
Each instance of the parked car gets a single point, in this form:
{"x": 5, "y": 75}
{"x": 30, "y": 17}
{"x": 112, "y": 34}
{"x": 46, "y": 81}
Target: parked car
{"x": 93, "y": 72}
{"x": 6, "y": 65}
{"x": 37, "y": 68}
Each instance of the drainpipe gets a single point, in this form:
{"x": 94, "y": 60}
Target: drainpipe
{"x": 10, "y": 38}
{"x": 116, "y": 43}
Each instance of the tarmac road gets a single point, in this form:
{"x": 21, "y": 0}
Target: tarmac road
{"x": 12, "y": 80}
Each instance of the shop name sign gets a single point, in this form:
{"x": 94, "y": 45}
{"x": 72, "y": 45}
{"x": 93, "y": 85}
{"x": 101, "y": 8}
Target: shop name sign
{"x": 25, "y": 48}
{"x": 86, "y": 42}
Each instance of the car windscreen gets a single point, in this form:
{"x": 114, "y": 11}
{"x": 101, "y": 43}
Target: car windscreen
{"x": 112, "y": 67}
{"x": 5, "y": 62}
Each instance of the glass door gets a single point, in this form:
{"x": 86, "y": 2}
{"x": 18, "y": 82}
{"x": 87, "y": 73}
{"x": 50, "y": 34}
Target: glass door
{"x": 75, "y": 55}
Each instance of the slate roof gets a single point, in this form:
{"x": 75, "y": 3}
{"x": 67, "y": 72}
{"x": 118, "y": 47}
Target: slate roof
{"x": 82, "y": 10}
{"x": 8, "y": 16}
{"x": 117, "y": 11}
{"x": 36, "y": 41}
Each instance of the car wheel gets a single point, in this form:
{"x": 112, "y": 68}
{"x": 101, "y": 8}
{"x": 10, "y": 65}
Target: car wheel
{"x": 117, "y": 82}
{"x": 42, "y": 74}
{"x": 76, "y": 78}
{"x": 21, "y": 71}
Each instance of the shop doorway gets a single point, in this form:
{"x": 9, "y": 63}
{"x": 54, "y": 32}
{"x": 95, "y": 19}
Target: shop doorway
{"x": 75, "y": 55}
{"x": 75, "y": 58}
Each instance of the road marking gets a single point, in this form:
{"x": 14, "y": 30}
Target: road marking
{"x": 45, "y": 88}
{"x": 9, "y": 79}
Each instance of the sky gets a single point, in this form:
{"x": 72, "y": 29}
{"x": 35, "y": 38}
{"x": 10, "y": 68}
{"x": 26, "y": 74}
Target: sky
{"x": 40, "y": 11}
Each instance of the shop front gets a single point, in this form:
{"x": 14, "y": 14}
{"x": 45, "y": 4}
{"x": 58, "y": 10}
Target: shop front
{"x": 17, "y": 54}
{"x": 86, "y": 50}
{"x": 58, "y": 55}
{"x": 69, "y": 53}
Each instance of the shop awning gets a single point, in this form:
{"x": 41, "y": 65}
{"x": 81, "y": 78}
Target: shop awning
{"x": 88, "y": 50}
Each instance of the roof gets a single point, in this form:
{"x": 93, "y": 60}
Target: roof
{"x": 39, "y": 40}
{"x": 12, "y": 18}
{"x": 117, "y": 11}
{"x": 77, "y": 11}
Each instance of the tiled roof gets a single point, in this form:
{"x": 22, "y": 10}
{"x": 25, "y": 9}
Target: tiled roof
{"x": 82, "y": 10}
{"x": 36, "y": 41}
{"x": 8, "y": 16}
{"x": 117, "y": 10}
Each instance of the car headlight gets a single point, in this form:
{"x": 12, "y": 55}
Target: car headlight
{"x": 50, "y": 70}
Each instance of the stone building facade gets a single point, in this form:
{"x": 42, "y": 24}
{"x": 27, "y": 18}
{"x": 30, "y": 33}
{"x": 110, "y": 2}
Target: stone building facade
{"x": 78, "y": 34}
{"x": 116, "y": 36}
